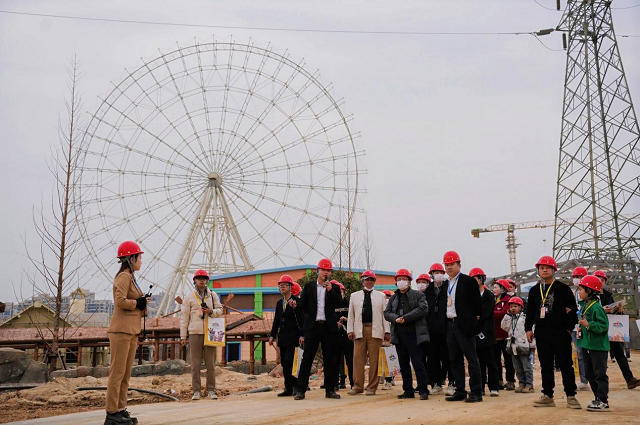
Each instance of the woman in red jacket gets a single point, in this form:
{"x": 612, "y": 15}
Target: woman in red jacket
{"x": 500, "y": 289}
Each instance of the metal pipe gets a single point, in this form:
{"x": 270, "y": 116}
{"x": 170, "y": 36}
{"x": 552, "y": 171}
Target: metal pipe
{"x": 132, "y": 389}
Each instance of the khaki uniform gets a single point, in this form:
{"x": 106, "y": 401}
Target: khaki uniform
{"x": 123, "y": 339}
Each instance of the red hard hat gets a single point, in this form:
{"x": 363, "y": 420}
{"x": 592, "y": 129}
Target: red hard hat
{"x": 285, "y": 278}
{"x": 403, "y": 272}
{"x": 579, "y": 272}
{"x": 516, "y": 300}
{"x": 338, "y": 284}
{"x": 436, "y": 267}
{"x": 129, "y": 248}
{"x": 504, "y": 283}
{"x": 368, "y": 273}
{"x": 477, "y": 271}
{"x": 295, "y": 289}
{"x": 450, "y": 257}
{"x": 424, "y": 276}
{"x": 387, "y": 292}
{"x": 591, "y": 282}
{"x": 200, "y": 273}
{"x": 547, "y": 260}
{"x": 600, "y": 273}
{"x": 325, "y": 264}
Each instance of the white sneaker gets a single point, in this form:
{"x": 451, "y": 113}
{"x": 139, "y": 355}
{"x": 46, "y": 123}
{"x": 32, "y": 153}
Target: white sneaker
{"x": 494, "y": 393}
{"x": 436, "y": 390}
{"x": 212, "y": 395}
{"x": 196, "y": 395}
{"x": 450, "y": 390}
{"x": 387, "y": 385}
{"x": 583, "y": 387}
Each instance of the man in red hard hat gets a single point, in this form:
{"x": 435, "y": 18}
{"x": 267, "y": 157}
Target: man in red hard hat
{"x": 500, "y": 309}
{"x": 552, "y": 309}
{"x": 345, "y": 345}
{"x": 616, "y": 347}
{"x": 486, "y": 339}
{"x": 319, "y": 302}
{"x": 463, "y": 314}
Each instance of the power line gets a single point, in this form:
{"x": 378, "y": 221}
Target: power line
{"x": 545, "y": 7}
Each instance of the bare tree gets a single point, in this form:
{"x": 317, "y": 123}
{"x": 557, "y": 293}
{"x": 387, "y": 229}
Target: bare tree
{"x": 368, "y": 251}
{"x": 55, "y": 265}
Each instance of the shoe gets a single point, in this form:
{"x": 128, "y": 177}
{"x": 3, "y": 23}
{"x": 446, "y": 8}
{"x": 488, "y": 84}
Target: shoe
{"x": 393, "y": 383}
{"x": 299, "y": 396}
{"x": 544, "y": 401}
{"x": 125, "y": 414}
{"x": 473, "y": 399}
{"x": 613, "y": 360}
{"x": 598, "y": 406}
{"x": 510, "y": 386}
{"x": 196, "y": 395}
{"x": 322, "y": 386}
{"x": 332, "y": 394}
{"x": 573, "y": 403}
{"x": 501, "y": 385}
{"x": 633, "y": 383}
{"x": 286, "y": 393}
{"x": 424, "y": 396}
{"x": 343, "y": 386}
{"x": 520, "y": 388}
{"x": 406, "y": 395}
{"x": 494, "y": 393}
{"x": 212, "y": 395}
{"x": 354, "y": 392}
{"x": 583, "y": 387}
{"x": 436, "y": 390}
{"x": 528, "y": 389}
{"x": 456, "y": 397}
{"x": 116, "y": 419}
{"x": 387, "y": 385}
{"x": 370, "y": 393}
{"x": 451, "y": 389}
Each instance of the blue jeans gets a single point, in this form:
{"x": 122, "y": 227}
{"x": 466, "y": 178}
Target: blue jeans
{"x": 524, "y": 371}
{"x": 583, "y": 378}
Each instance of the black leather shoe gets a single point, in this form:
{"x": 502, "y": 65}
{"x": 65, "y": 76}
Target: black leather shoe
{"x": 424, "y": 396}
{"x": 116, "y": 419}
{"x": 343, "y": 386}
{"x": 322, "y": 386}
{"x": 299, "y": 396}
{"x": 406, "y": 395}
{"x": 473, "y": 399}
{"x": 456, "y": 397}
{"x": 125, "y": 414}
{"x": 285, "y": 393}
{"x": 332, "y": 394}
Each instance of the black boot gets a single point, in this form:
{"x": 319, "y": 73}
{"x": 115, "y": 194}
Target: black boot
{"x": 116, "y": 419}
{"x": 286, "y": 393}
{"x": 125, "y": 414}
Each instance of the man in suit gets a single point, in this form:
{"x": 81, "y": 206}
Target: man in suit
{"x": 319, "y": 302}
{"x": 286, "y": 328}
{"x": 463, "y": 315}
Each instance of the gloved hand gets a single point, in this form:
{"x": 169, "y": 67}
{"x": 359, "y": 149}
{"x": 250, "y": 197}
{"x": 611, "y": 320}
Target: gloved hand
{"x": 141, "y": 303}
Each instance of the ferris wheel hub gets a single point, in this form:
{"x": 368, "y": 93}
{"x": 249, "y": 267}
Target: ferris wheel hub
{"x": 214, "y": 179}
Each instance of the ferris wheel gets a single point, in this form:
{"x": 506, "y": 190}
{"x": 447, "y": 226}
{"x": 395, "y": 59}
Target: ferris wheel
{"x": 223, "y": 156}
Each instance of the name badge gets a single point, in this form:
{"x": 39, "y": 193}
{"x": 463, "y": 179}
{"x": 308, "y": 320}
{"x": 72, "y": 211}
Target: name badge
{"x": 543, "y": 312}
{"x": 449, "y": 301}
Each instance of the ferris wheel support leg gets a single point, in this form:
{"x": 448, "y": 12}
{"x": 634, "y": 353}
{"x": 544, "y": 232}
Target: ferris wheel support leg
{"x": 233, "y": 233}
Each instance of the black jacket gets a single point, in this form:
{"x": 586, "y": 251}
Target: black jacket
{"x": 417, "y": 315}
{"x": 286, "y": 325}
{"x": 487, "y": 325}
{"x": 556, "y": 318}
{"x": 309, "y": 303}
{"x": 437, "y": 317}
{"x": 343, "y": 311}
{"x": 468, "y": 305}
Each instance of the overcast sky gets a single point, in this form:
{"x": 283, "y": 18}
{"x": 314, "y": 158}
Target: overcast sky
{"x": 459, "y": 131}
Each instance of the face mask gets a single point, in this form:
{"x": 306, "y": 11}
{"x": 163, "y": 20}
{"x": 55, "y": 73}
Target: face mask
{"x": 402, "y": 284}
{"x": 367, "y": 289}
{"x": 438, "y": 277}
{"x": 576, "y": 280}
{"x": 422, "y": 286}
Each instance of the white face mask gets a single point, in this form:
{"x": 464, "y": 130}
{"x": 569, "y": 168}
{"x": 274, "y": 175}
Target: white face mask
{"x": 422, "y": 286}
{"x": 402, "y": 284}
{"x": 367, "y": 289}
{"x": 576, "y": 280}
{"x": 439, "y": 277}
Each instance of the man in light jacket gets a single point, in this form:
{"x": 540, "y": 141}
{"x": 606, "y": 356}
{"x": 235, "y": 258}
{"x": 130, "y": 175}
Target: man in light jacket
{"x": 367, "y": 327}
{"x": 192, "y": 324}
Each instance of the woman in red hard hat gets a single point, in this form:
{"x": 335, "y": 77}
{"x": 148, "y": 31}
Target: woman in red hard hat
{"x": 124, "y": 328}
{"x": 500, "y": 292}
{"x": 576, "y": 275}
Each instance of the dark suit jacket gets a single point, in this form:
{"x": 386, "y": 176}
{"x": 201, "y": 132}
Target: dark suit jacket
{"x": 437, "y": 321}
{"x": 468, "y": 305}
{"x": 487, "y": 326}
{"x": 286, "y": 325}
{"x": 309, "y": 303}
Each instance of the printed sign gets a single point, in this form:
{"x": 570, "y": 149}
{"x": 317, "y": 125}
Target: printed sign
{"x": 393, "y": 364}
{"x": 297, "y": 360}
{"x": 618, "y": 327}
{"x": 215, "y": 332}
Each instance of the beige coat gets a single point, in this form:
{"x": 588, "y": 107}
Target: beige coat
{"x": 379, "y": 325}
{"x": 191, "y": 322}
{"x": 126, "y": 317}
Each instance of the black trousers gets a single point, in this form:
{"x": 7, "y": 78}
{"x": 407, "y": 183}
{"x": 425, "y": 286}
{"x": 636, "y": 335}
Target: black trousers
{"x": 595, "y": 365}
{"x": 439, "y": 365}
{"x": 345, "y": 352}
{"x": 500, "y": 351}
{"x": 617, "y": 351}
{"x": 409, "y": 352}
{"x": 286, "y": 360}
{"x": 460, "y": 347}
{"x": 488, "y": 366}
{"x": 555, "y": 344}
{"x": 319, "y": 335}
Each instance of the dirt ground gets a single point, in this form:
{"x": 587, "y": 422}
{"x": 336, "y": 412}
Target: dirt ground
{"x": 60, "y": 398}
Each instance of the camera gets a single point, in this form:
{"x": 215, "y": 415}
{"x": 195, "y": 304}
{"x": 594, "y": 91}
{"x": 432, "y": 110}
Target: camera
{"x": 513, "y": 340}
{"x": 203, "y": 305}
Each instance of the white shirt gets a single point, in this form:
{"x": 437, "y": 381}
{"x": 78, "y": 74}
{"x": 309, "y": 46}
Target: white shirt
{"x": 451, "y": 292}
{"x": 321, "y": 292}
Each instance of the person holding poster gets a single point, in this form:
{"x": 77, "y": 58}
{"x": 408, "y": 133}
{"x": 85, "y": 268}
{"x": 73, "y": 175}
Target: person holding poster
{"x": 199, "y": 304}
{"x": 617, "y": 347}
